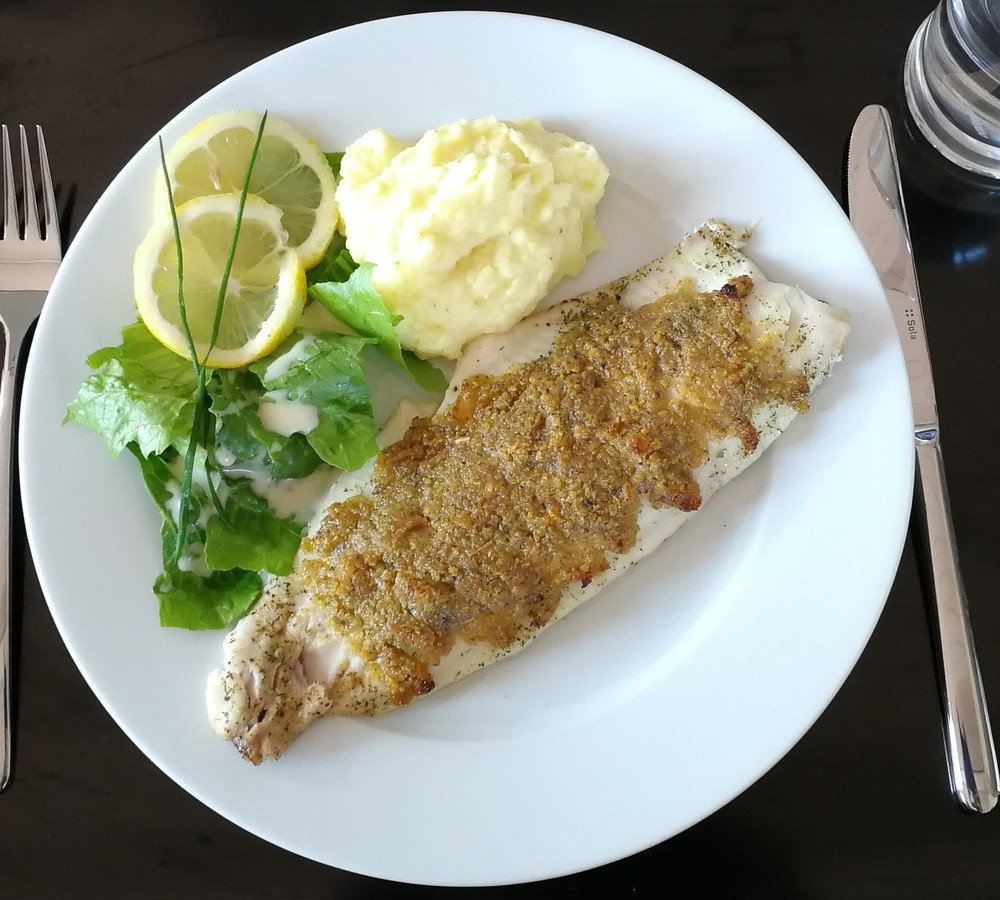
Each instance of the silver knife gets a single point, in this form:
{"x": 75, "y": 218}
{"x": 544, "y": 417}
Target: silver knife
{"x": 877, "y": 212}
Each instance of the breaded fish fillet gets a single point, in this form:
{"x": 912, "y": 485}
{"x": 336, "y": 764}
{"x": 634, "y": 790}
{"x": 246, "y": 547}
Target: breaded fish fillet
{"x": 565, "y": 450}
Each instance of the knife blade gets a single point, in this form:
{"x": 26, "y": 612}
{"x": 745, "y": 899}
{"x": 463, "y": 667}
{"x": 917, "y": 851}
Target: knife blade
{"x": 878, "y": 214}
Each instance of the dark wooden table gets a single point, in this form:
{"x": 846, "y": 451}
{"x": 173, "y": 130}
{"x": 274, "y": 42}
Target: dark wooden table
{"x": 861, "y": 806}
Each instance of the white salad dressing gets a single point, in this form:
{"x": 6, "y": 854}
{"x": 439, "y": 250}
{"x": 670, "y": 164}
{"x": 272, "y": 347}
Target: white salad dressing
{"x": 199, "y": 478}
{"x": 285, "y": 417}
{"x": 300, "y": 498}
{"x": 298, "y": 352}
{"x": 193, "y": 562}
{"x": 224, "y": 456}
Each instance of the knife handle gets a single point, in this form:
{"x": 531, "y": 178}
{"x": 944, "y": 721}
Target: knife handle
{"x": 972, "y": 762}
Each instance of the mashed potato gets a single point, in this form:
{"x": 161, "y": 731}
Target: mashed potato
{"x": 471, "y": 226}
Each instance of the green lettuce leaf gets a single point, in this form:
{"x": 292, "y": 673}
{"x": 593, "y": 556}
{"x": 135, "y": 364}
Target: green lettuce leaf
{"x": 428, "y": 376}
{"x": 336, "y": 264}
{"x": 358, "y": 304}
{"x": 163, "y": 484}
{"x": 140, "y": 392}
{"x": 334, "y": 159}
{"x": 326, "y": 373}
{"x": 249, "y": 535}
{"x": 199, "y": 604}
{"x": 235, "y": 396}
{"x": 293, "y": 457}
{"x": 249, "y": 538}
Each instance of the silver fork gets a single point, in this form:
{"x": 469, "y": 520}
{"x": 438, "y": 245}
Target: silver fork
{"x": 27, "y": 266}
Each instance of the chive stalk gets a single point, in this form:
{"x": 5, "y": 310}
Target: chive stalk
{"x": 201, "y": 423}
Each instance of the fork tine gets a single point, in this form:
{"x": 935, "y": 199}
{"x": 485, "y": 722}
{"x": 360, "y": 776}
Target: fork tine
{"x": 48, "y": 192}
{"x": 31, "y": 232}
{"x": 10, "y": 227}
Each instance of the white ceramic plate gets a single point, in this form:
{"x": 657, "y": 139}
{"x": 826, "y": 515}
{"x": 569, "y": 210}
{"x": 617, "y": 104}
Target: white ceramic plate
{"x": 680, "y": 684}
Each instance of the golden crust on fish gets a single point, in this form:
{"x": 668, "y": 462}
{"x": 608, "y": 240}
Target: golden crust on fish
{"x": 565, "y": 450}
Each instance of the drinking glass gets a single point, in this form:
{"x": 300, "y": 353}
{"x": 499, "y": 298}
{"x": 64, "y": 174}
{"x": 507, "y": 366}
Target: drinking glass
{"x": 951, "y": 79}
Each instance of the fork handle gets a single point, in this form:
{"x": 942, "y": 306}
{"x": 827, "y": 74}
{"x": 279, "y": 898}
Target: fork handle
{"x": 19, "y": 314}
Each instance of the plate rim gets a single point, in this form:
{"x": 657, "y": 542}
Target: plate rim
{"x": 45, "y": 578}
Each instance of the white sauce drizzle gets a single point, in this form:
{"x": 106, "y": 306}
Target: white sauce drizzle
{"x": 298, "y": 352}
{"x": 285, "y": 417}
{"x": 301, "y": 498}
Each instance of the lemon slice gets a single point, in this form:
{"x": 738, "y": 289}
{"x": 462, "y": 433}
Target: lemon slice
{"x": 290, "y": 172}
{"x": 266, "y": 290}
